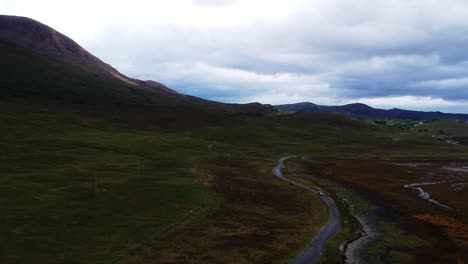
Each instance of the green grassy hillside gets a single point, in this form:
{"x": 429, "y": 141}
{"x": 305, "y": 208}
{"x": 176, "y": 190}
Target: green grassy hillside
{"x": 67, "y": 79}
{"x": 27, "y": 74}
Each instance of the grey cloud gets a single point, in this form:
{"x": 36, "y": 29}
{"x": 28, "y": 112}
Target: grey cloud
{"x": 331, "y": 51}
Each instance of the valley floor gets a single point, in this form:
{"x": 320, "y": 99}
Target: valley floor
{"x": 125, "y": 185}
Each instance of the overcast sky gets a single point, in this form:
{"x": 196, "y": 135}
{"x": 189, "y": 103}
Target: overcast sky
{"x": 392, "y": 53}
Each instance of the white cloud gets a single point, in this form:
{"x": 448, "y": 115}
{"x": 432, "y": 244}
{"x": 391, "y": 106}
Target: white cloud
{"x": 411, "y": 102}
{"x": 249, "y": 86}
{"x": 326, "y": 51}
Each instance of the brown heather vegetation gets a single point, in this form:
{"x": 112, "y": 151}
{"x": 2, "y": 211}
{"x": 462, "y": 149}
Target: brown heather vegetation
{"x": 381, "y": 181}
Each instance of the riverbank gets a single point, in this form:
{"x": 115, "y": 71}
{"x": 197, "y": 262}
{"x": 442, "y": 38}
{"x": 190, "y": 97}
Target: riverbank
{"x": 352, "y": 250}
{"x": 373, "y": 231}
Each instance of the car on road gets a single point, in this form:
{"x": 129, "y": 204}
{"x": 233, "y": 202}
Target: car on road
{"x": 320, "y": 193}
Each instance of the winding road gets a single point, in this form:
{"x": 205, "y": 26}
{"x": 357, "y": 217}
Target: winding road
{"x": 312, "y": 253}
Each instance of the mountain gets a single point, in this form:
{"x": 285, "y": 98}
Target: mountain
{"x": 33, "y": 35}
{"x": 359, "y": 110}
{"x": 40, "y": 63}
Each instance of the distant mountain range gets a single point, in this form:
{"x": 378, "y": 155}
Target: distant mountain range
{"x": 359, "y": 110}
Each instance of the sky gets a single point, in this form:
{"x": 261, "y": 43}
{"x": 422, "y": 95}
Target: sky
{"x": 385, "y": 53}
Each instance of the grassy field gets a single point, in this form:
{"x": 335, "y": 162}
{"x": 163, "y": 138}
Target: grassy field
{"x": 91, "y": 184}
{"x": 125, "y": 185}
{"x": 81, "y": 190}
{"x": 89, "y": 187}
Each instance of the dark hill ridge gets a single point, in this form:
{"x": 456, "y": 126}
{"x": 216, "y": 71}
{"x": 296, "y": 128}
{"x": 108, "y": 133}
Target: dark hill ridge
{"x": 37, "y": 37}
{"x": 39, "y": 62}
{"x": 33, "y": 35}
{"x": 359, "y": 110}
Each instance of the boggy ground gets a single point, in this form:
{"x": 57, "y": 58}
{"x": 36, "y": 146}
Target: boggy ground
{"x": 122, "y": 184}
{"x": 442, "y": 232}
{"x": 260, "y": 219}
{"x": 77, "y": 189}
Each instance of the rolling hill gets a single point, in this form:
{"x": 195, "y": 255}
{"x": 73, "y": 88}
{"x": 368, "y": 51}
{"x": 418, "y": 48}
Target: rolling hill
{"x": 359, "y": 110}
{"x": 40, "y": 63}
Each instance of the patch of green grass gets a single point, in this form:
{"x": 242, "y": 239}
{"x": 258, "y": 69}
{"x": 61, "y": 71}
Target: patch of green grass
{"x": 26, "y": 74}
{"x": 448, "y": 127}
{"x": 87, "y": 193}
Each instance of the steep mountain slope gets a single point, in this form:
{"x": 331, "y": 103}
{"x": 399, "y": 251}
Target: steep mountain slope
{"x": 359, "y": 110}
{"x": 40, "y": 63}
{"x": 38, "y": 37}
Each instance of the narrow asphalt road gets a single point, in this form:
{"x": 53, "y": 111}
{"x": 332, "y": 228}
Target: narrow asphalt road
{"x": 312, "y": 253}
